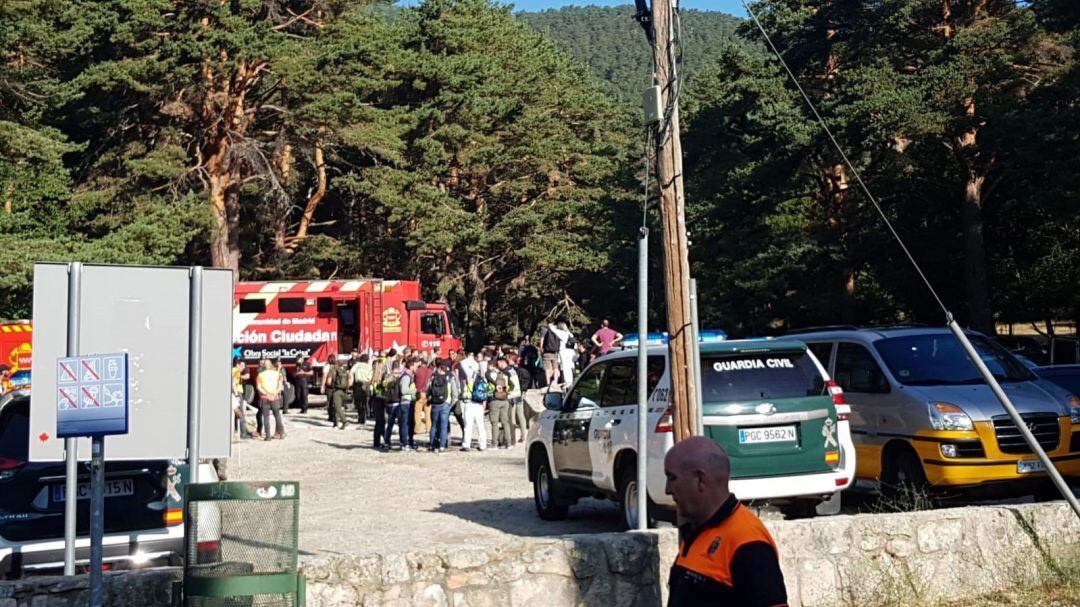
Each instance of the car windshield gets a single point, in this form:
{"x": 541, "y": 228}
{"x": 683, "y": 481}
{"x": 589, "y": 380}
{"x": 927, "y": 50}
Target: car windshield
{"x": 743, "y": 377}
{"x": 938, "y": 359}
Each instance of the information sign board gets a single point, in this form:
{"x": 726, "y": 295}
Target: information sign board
{"x": 92, "y": 395}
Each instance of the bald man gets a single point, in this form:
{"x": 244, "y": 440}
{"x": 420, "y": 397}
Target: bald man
{"x": 726, "y": 555}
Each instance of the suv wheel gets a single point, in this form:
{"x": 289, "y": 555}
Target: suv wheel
{"x": 628, "y": 499}
{"x": 545, "y": 490}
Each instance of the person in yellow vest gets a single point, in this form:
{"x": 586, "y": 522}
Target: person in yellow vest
{"x": 726, "y": 555}
{"x": 271, "y": 386}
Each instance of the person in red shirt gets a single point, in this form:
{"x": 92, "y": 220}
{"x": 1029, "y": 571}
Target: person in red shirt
{"x": 606, "y": 338}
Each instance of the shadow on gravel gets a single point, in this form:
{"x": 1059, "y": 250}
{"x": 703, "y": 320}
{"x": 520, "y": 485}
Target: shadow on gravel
{"x": 518, "y": 517}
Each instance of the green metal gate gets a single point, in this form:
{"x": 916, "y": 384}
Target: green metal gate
{"x": 241, "y": 540}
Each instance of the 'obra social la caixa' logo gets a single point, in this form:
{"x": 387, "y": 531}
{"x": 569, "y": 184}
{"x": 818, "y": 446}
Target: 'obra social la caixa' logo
{"x": 391, "y": 320}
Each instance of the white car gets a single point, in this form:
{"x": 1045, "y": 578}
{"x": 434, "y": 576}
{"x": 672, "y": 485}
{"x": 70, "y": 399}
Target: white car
{"x": 769, "y": 403}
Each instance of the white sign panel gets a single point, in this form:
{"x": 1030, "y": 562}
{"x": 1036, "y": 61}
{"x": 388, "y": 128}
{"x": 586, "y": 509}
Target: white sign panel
{"x": 142, "y": 312}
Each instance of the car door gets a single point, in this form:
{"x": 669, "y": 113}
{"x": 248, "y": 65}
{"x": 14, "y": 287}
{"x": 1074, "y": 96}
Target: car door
{"x": 867, "y": 390}
{"x": 614, "y": 425}
{"x": 570, "y": 439}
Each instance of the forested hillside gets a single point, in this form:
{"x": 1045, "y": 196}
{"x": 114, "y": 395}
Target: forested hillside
{"x": 459, "y": 144}
{"x": 613, "y": 45}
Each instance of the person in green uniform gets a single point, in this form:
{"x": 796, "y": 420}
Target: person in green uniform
{"x": 339, "y": 381}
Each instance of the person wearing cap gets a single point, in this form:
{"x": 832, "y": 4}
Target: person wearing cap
{"x": 726, "y": 555}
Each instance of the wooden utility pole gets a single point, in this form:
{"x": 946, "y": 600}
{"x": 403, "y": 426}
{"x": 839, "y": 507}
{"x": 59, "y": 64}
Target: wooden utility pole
{"x": 673, "y": 212}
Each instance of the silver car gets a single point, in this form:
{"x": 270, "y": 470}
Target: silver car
{"x": 922, "y": 415}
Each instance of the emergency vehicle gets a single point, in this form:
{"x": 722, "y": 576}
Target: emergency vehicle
{"x": 770, "y": 403}
{"x": 324, "y": 318}
{"x": 16, "y": 348}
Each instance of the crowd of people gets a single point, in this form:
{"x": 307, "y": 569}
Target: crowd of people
{"x": 418, "y": 393}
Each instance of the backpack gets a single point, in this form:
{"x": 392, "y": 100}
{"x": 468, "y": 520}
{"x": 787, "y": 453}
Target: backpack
{"x": 524, "y": 377}
{"x": 392, "y": 389}
{"x": 551, "y": 342}
{"x": 481, "y": 390}
{"x": 439, "y": 390}
{"x": 571, "y": 342}
{"x": 341, "y": 379}
{"x": 501, "y": 382}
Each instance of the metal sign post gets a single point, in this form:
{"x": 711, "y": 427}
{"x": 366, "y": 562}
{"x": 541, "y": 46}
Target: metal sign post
{"x": 71, "y": 446}
{"x": 194, "y": 370}
{"x": 695, "y": 334}
{"x": 643, "y": 380}
{"x": 92, "y": 400}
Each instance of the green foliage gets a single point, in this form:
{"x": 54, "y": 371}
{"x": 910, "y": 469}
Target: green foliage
{"x": 494, "y": 156}
{"x": 613, "y": 45}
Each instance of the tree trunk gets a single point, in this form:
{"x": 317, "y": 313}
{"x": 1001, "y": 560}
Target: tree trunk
{"x": 979, "y": 314}
{"x": 477, "y": 295}
{"x": 224, "y": 242}
{"x": 317, "y": 196}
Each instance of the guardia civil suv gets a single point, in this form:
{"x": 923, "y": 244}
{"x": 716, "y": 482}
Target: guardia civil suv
{"x": 769, "y": 403}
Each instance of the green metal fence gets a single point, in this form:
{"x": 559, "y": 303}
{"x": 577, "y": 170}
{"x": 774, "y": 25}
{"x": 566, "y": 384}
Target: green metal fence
{"x": 241, "y": 540}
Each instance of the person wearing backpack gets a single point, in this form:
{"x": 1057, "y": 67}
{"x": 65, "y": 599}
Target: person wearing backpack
{"x": 380, "y": 371}
{"x": 499, "y": 404}
{"x": 400, "y": 392}
{"x": 339, "y": 381}
{"x": 440, "y": 393}
{"x": 476, "y": 387}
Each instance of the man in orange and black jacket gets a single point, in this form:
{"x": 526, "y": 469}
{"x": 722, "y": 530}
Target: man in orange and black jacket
{"x": 726, "y": 555}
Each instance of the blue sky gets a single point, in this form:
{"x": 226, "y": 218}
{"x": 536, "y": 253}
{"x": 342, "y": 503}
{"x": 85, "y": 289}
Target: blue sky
{"x": 733, "y": 7}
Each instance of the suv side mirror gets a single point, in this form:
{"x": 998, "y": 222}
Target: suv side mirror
{"x": 553, "y": 401}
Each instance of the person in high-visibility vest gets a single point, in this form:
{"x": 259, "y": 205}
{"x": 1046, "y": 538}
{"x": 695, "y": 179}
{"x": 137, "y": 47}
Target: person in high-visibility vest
{"x": 271, "y": 385}
{"x": 726, "y": 555}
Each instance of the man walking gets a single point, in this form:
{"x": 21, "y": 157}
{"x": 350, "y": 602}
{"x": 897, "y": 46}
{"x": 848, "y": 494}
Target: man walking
{"x": 361, "y": 373}
{"x": 499, "y": 405}
{"x": 270, "y": 386}
{"x": 726, "y": 555}
{"x": 339, "y": 380}
{"x": 606, "y": 338}
{"x": 440, "y": 393}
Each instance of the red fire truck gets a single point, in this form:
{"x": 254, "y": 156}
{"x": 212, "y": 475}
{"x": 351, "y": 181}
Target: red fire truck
{"x": 16, "y": 339}
{"x": 324, "y": 318}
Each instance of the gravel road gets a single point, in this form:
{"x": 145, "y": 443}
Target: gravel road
{"x": 357, "y": 500}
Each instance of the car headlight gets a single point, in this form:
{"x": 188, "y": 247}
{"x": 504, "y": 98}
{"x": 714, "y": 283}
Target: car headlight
{"x": 1074, "y": 408}
{"x": 947, "y": 416}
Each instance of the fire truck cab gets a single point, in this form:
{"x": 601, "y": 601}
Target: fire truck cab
{"x": 325, "y": 318}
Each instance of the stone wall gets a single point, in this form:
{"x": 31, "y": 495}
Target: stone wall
{"x": 152, "y": 588}
{"x": 866, "y": 560}
{"x": 884, "y": 559}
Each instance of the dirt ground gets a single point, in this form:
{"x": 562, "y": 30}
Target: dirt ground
{"x": 358, "y": 500}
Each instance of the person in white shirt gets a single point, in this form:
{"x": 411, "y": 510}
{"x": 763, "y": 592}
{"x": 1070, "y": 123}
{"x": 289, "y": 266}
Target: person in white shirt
{"x": 470, "y": 367}
{"x": 566, "y": 353}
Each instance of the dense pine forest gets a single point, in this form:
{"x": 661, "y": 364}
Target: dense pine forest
{"x": 497, "y": 157}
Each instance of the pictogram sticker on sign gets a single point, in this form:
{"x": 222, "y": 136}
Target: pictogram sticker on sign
{"x": 90, "y": 369}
